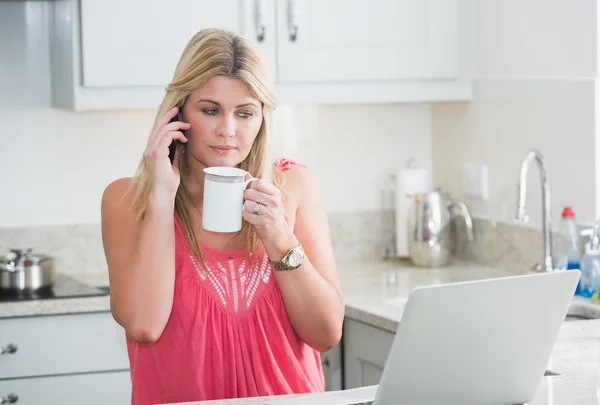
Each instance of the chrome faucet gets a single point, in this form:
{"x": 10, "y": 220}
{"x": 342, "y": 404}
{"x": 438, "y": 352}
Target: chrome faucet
{"x": 595, "y": 236}
{"x": 535, "y": 155}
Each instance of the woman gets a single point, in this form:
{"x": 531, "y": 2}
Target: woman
{"x": 212, "y": 315}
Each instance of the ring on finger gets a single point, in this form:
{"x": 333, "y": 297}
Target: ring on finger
{"x": 256, "y": 209}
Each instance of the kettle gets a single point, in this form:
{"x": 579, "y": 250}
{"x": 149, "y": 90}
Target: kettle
{"x": 430, "y": 228}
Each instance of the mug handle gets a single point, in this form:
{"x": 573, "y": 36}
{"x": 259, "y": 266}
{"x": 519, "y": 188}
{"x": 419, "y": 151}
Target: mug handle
{"x": 246, "y": 182}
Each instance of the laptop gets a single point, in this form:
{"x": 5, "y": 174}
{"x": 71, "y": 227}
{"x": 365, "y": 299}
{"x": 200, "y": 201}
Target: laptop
{"x": 483, "y": 342}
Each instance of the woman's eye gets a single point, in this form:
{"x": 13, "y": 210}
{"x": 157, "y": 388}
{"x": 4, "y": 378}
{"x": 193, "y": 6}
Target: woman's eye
{"x": 245, "y": 114}
{"x": 210, "y": 111}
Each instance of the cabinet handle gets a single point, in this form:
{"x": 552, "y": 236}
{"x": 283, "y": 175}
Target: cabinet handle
{"x": 260, "y": 7}
{"x": 292, "y": 26}
{"x": 9, "y": 399}
{"x": 325, "y": 362}
{"x": 9, "y": 349}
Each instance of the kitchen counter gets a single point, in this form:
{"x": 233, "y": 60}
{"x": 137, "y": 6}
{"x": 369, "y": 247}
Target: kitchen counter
{"x": 374, "y": 291}
{"x": 58, "y": 306}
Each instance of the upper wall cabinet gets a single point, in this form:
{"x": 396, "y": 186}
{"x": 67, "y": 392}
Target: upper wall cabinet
{"x": 120, "y": 54}
{"x": 360, "y": 41}
{"x": 130, "y": 43}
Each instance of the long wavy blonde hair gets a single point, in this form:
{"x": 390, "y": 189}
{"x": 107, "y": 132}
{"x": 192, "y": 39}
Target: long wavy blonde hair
{"x": 209, "y": 53}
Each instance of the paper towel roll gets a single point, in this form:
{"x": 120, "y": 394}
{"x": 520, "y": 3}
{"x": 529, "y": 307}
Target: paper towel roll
{"x": 409, "y": 182}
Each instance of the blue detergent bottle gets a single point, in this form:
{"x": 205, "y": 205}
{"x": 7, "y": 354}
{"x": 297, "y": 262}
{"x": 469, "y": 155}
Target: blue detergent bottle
{"x": 589, "y": 284}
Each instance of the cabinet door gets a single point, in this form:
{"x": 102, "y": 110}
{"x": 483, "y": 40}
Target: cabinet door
{"x": 332, "y": 368}
{"x": 352, "y": 40}
{"x": 138, "y": 42}
{"x": 365, "y": 352}
{"x": 62, "y": 344}
{"x": 90, "y": 389}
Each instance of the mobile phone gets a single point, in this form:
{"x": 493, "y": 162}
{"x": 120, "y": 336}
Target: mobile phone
{"x": 173, "y": 145}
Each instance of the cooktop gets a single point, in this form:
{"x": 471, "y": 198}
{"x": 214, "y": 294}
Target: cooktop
{"x": 64, "y": 287}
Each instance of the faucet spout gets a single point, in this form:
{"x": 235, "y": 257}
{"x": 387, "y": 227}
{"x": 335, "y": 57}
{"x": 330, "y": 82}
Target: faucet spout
{"x": 534, "y": 155}
{"x": 595, "y": 238}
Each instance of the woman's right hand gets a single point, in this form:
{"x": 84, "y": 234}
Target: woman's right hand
{"x": 165, "y": 176}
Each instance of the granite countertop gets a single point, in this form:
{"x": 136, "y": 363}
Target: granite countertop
{"x": 58, "y": 306}
{"x": 374, "y": 291}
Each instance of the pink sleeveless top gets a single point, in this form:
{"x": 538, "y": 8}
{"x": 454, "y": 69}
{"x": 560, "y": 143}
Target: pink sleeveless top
{"x": 228, "y": 335}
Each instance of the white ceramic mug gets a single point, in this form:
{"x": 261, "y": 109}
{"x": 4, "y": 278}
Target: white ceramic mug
{"x": 223, "y": 198}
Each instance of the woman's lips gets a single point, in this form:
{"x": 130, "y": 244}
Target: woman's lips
{"x": 223, "y": 149}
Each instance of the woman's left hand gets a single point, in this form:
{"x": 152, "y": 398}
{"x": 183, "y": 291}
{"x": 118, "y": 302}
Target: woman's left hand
{"x": 263, "y": 208}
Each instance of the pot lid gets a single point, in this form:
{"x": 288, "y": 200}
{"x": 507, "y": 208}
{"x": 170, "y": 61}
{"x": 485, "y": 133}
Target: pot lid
{"x": 19, "y": 257}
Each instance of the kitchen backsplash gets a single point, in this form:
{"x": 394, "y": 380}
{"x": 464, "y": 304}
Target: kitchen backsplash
{"x": 78, "y": 248}
{"x": 354, "y": 236}
{"x": 502, "y": 244}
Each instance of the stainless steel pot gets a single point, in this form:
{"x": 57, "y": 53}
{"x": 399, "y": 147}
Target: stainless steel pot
{"x": 24, "y": 270}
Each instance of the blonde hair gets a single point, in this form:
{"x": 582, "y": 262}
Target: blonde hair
{"x": 209, "y": 53}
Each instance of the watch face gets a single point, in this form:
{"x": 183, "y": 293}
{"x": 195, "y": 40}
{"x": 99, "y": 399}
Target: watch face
{"x": 295, "y": 258}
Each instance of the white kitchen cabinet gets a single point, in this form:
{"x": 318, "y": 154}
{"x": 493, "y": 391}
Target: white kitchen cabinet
{"x": 146, "y": 37}
{"x": 120, "y": 54}
{"x": 366, "y": 349}
{"x": 66, "y": 359}
{"x": 355, "y": 40}
{"x": 62, "y": 344}
{"x": 91, "y": 389}
{"x": 331, "y": 362}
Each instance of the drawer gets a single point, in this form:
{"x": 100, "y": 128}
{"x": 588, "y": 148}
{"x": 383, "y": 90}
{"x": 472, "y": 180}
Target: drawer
{"x": 90, "y": 389}
{"x": 61, "y": 344}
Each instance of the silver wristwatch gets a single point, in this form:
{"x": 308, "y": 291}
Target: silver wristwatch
{"x": 292, "y": 259}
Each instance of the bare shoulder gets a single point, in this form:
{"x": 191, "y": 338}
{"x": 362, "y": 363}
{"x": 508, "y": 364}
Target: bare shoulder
{"x": 299, "y": 183}
{"x": 116, "y": 196}
{"x": 116, "y": 192}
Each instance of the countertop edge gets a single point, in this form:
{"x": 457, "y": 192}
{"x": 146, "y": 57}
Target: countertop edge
{"x": 578, "y": 308}
{"x": 373, "y": 310}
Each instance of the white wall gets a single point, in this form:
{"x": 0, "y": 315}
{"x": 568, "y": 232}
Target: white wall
{"x": 55, "y": 163}
{"x": 536, "y": 38}
{"x": 351, "y": 149}
{"x": 535, "y": 87}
